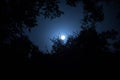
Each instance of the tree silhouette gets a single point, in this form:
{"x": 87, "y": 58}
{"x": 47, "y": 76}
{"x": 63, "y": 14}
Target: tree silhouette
{"x": 89, "y": 47}
{"x": 20, "y": 51}
{"x": 17, "y": 15}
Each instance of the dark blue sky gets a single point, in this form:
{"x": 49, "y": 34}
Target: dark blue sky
{"x": 68, "y": 23}
{"x": 110, "y": 21}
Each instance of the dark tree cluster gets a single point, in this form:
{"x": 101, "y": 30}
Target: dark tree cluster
{"x": 88, "y": 48}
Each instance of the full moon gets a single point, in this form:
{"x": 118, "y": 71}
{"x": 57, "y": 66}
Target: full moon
{"x": 62, "y": 37}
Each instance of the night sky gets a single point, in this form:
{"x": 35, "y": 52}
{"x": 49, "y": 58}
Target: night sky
{"x": 70, "y": 23}
{"x": 60, "y": 34}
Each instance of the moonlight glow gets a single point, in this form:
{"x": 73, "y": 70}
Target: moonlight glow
{"x": 62, "y": 37}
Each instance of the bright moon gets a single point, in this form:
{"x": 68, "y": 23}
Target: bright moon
{"x": 62, "y": 37}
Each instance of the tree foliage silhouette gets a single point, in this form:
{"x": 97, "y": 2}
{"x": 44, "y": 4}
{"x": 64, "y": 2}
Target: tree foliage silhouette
{"x": 88, "y": 47}
{"x": 20, "y": 51}
{"x": 17, "y": 15}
